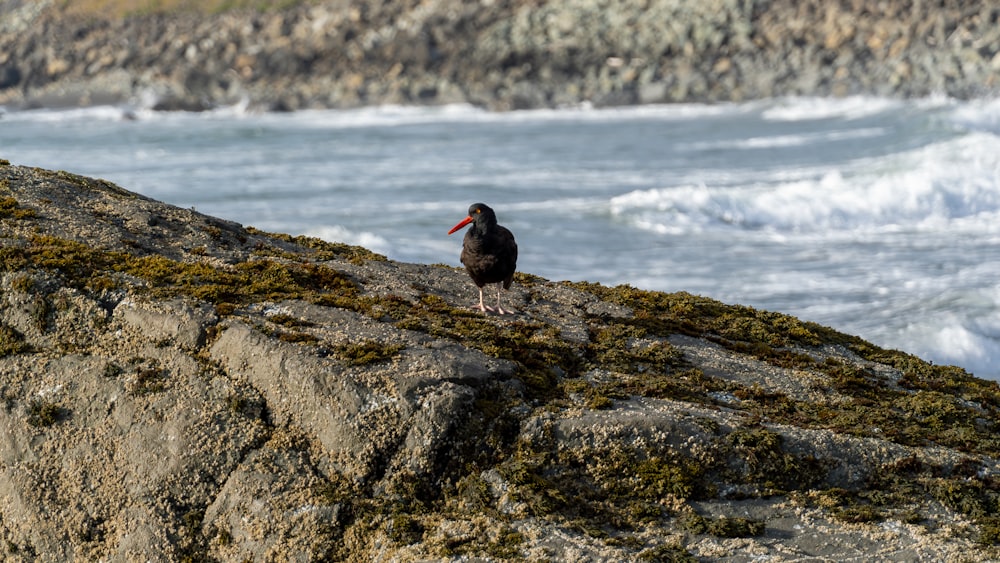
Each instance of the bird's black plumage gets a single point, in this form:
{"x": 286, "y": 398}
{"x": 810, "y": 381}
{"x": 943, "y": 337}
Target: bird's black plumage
{"x": 489, "y": 251}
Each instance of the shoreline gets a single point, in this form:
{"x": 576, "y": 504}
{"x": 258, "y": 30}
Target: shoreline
{"x": 132, "y": 109}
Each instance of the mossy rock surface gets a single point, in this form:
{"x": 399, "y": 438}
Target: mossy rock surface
{"x": 187, "y": 388}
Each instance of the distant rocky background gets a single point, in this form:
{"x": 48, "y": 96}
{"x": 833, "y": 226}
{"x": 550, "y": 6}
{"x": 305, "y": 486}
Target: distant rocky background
{"x": 500, "y": 54}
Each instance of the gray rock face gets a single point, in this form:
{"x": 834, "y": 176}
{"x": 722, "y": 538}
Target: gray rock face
{"x": 178, "y": 387}
{"x": 501, "y": 55}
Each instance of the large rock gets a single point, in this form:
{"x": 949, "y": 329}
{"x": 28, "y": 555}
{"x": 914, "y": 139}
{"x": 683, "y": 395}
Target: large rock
{"x": 178, "y": 387}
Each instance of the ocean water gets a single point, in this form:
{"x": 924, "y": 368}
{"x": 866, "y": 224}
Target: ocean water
{"x": 877, "y": 217}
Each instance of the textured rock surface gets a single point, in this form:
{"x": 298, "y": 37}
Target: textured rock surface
{"x": 178, "y": 387}
{"x": 502, "y": 54}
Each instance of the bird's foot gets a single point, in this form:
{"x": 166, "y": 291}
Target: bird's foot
{"x": 498, "y": 310}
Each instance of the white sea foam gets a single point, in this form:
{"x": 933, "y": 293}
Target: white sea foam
{"x": 141, "y": 111}
{"x": 853, "y": 107}
{"x": 337, "y": 233}
{"x": 380, "y": 116}
{"x": 95, "y": 113}
{"x": 950, "y": 338}
{"x": 395, "y": 115}
{"x": 978, "y": 115}
{"x": 945, "y": 185}
{"x": 781, "y": 141}
{"x": 659, "y": 112}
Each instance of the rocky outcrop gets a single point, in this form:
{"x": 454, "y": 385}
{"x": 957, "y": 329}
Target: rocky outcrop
{"x": 180, "y": 387}
{"x": 501, "y": 54}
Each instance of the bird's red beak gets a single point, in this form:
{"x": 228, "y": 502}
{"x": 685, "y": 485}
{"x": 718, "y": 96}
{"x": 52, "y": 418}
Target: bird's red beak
{"x": 464, "y": 222}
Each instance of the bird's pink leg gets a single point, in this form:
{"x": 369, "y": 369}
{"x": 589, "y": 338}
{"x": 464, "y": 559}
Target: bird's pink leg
{"x": 500, "y": 310}
{"x": 482, "y": 307}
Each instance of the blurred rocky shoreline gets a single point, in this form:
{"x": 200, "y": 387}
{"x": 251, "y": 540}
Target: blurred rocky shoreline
{"x": 502, "y": 54}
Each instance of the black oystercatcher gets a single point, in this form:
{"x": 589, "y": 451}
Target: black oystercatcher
{"x": 488, "y": 252}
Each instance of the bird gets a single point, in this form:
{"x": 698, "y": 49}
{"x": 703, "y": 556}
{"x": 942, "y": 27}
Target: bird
{"x": 488, "y": 252}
